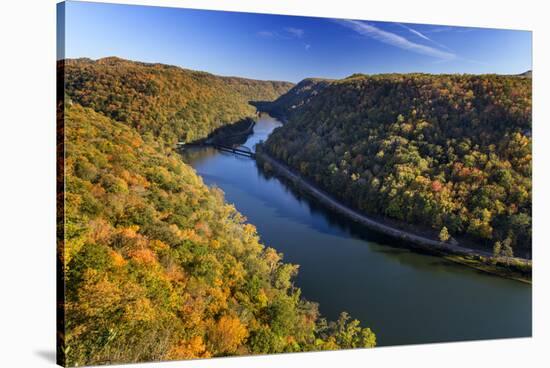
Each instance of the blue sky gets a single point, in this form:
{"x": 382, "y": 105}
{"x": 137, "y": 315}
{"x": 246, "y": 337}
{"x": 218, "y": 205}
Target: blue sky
{"x": 288, "y": 48}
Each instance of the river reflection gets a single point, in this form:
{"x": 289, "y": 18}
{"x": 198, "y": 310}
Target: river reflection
{"x": 405, "y": 297}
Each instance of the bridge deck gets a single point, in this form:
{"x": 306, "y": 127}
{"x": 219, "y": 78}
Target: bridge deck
{"x": 236, "y": 151}
{"x": 221, "y": 147}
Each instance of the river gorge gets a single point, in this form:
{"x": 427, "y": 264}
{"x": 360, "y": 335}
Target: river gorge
{"x": 405, "y": 297}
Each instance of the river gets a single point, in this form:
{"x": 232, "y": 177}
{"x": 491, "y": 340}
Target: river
{"x": 405, "y": 297}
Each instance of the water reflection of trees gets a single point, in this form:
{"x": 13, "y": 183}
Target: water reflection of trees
{"x": 333, "y": 217}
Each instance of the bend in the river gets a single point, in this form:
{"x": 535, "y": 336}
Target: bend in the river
{"x": 405, "y": 297}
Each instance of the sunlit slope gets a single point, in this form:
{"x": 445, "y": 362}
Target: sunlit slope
{"x": 159, "y": 267}
{"x": 166, "y": 101}
{"x": 450, "y": 154}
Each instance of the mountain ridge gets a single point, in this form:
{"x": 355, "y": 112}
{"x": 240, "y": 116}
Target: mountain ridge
{"x": 451, "y": 152}
{"x": 167, "y": 101}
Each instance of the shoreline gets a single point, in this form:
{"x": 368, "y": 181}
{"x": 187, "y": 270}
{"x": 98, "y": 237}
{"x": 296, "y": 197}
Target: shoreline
{"x": 513, "y": 267}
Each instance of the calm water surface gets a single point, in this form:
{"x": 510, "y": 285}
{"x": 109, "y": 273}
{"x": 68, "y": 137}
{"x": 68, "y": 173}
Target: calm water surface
{"x": 405, "y": 297}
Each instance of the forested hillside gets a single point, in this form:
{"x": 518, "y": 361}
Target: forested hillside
{"x": 166, "y": 101}
{"x": 292, "y": 102}
{"x": 451, "y": 153}
{"x": 157, "y": 266}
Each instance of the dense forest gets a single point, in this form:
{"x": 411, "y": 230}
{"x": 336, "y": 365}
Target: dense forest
{"x": 448, "y": 153}
{"x": 166, "y": 101}
{"x": 157, "y": 265}
{"x": 294, "y": 100}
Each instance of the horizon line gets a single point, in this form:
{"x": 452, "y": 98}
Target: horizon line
{"x": 276, "y": 80}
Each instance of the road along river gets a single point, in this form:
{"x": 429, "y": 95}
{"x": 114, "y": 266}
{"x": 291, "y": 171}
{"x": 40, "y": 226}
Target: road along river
{"x": 405, "y": 297}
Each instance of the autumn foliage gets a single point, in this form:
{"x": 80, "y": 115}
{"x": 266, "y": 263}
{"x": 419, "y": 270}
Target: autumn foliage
{"x": 157, "y": 265}
{"x": 448, "y": 152}
{"x": 166, "y": 101}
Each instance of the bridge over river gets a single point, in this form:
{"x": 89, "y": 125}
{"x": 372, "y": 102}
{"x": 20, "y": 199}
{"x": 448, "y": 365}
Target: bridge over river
{"x": 404, "y": 296}
{"x": 239, "y": 150}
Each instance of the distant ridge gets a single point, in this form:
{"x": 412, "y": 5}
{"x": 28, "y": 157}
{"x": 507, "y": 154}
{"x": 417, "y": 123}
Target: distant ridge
{"x": 169, "y": 101}
{"x": 297, "y": 97}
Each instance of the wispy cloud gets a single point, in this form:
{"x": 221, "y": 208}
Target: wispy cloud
{"x": 287, "y": 33}
{"x": 395, "y": 40}
{"x": 295, "y": 32}
{"x": 423, "y": 36}
{"x": 414, "y": 31}
{"x": 450, "y": 29}
{"x": 439, "y": 29}
{"x": 266, "y": 34}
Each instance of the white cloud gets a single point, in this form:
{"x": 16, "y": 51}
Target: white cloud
{"x": 295, "y": 32}
{"x": 395, "y": 40}
{"x": 266, "y": 34}
{"x": 287, "y": 33}
{"x": 450, "y": 29}
{"x": 423, "y": 36}
{"x": 413, "y": 31}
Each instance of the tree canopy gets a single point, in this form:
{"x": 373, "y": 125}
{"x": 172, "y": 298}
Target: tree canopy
{"x": 157, "y": 265}
{"x": 167, "y": 101}
{"x": 450, "y": 153}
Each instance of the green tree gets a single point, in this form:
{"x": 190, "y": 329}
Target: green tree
{"x": 444, "y": 234}
{"x": 497, "y": 249}
{"x": 435, "y": 151}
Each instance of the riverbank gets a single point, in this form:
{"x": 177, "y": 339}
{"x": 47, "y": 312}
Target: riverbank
{"x": 230, "y": 134}
{"x": 233, "y": 133}
{"x": 509, "y": 267}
